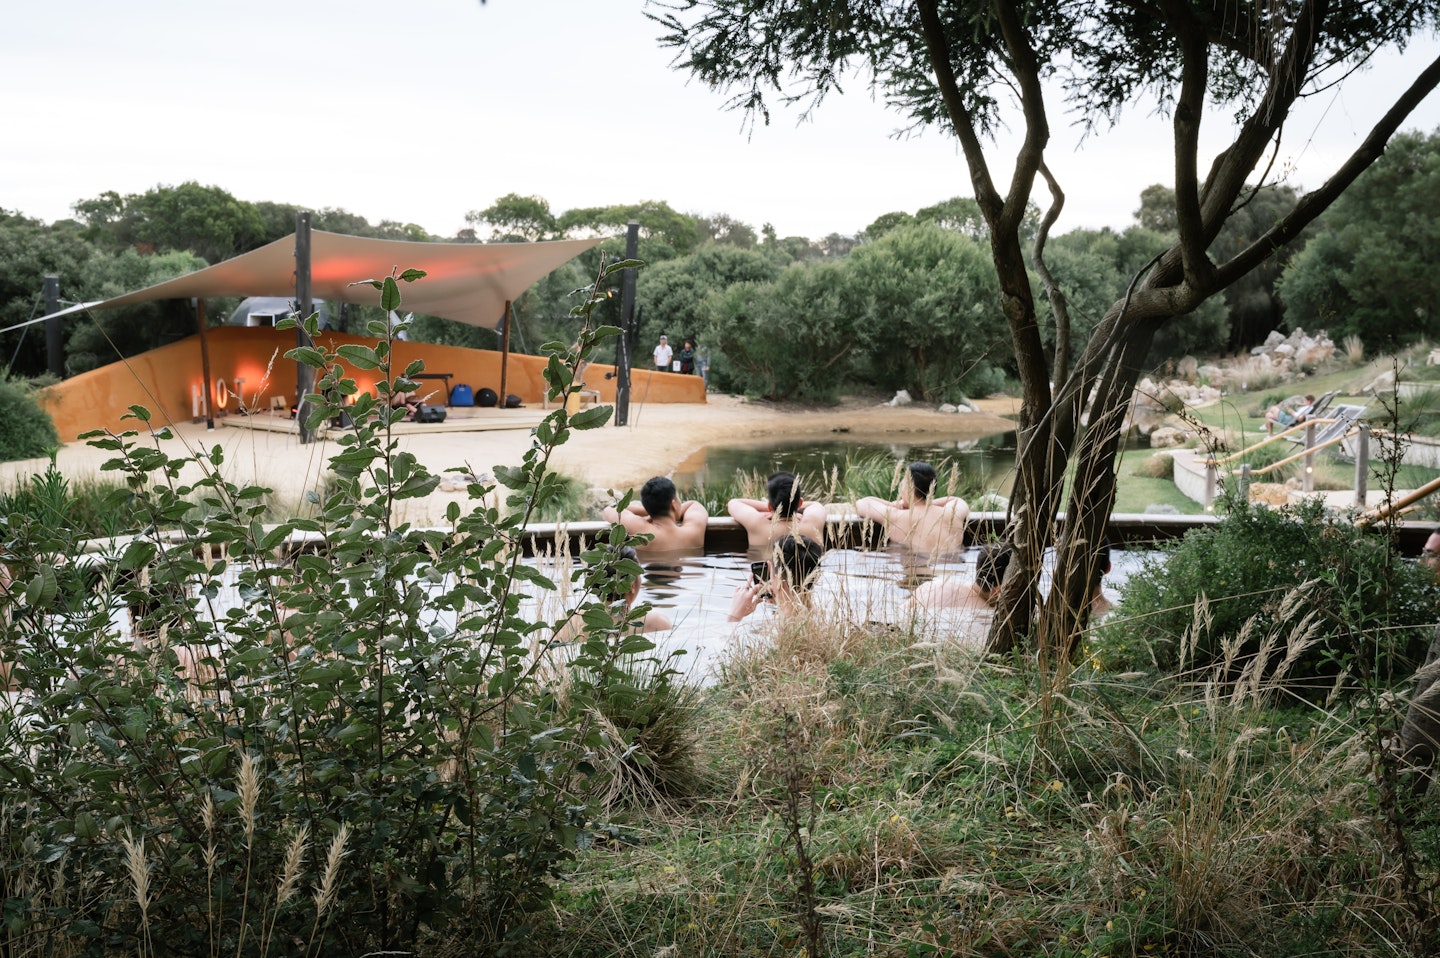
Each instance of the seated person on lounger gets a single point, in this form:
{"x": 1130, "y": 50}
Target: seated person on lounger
{"x": 674, "y": 525}
{"x": 785, "y": 580}
{"x": 1285, "y": 418}
{"x": 914, "y": 519}
{"x": 652, "y": 622}
{"x": 783, "y": 512}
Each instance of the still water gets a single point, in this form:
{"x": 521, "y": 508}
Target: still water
{"x": 987, "y": 463}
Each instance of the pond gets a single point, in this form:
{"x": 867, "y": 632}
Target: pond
{"x": 987, "y": 463}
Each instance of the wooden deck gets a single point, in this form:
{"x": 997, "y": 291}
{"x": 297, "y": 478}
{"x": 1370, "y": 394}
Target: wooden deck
{"x": 459, "y": 419}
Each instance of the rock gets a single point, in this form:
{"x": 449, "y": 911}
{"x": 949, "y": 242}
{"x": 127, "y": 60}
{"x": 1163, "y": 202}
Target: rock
{"x": 902, "y": 398}
{"x": 1167, "y": 437}
{"x": 1284, "y": 349}
{"x": 1269, "y": 493}
{"x": 1383, "y": 383}
{"x": 947, "y": 407}
{"x": 1274, "y": 339}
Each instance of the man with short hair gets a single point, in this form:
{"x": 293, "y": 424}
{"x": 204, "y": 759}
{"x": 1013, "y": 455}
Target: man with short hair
{"x": 663, "y": 353}
{"x": 782, "y": 512}
{"x": 673, "y": 526}
{"x": 914, "y": 519}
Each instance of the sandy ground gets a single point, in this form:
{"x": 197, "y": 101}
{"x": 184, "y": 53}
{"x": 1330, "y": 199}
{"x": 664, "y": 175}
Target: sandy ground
{"x": 657, "y": 440}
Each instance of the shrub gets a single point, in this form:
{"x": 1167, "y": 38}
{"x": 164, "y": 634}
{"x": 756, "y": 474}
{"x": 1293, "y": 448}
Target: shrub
{"x": 26, "y": 430}
{"x": 370, "y": 750}
{"x": 1377, "y": 611}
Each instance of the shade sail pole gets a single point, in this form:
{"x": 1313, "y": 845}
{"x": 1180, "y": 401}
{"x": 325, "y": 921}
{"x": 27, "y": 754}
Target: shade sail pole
{"x": 505, "y": 354}
{"x": 627, "y": 327}
{"x": 202, "y": 323}
{"x": 304, "y": 304}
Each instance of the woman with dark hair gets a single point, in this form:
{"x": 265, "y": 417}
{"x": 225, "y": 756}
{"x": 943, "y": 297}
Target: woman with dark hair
{"x": 686, "y": 355}
{"x": 786, "y": 580}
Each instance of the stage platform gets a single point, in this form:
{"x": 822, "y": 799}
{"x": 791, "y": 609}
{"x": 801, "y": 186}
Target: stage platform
{"x": 458, "y": 419}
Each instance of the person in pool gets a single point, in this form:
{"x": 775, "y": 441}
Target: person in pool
{"x": 782, "y": 512}
{"x": 654, "y": 621}
{"x": 916, "y": 521}
{"x": 785, "y": 580}
{"x": 673, "y": 526}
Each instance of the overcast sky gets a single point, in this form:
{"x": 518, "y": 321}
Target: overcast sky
{"x": 424, "y": 110}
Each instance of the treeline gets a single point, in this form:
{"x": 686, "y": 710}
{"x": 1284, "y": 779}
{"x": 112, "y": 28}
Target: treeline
{"x": 910, "y": 301}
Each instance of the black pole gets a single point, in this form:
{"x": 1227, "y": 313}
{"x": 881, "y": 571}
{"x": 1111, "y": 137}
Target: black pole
{"x": 54, "y": 341}
{"x": 627, "y": 320}
{"x": 303, "y": 374}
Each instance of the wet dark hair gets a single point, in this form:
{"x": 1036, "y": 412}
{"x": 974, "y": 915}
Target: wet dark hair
{"x": 657, "y": 495}
{"x": 991, "y": 565}
{"x": 797, "y": 558}
{"x": 783, "y": 491}
{"x": 611, "y": 571}
{"x": 922, "y": 477}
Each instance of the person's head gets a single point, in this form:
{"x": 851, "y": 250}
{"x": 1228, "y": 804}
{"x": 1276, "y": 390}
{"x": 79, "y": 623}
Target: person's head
{"x": 1430, "y": 555}
{"x": 795, "y": 560}
{"x": 611, "y": 572}
{"x": 658, "y": 497}
{"x": 783, "y": 491}
{"x": 1309, "y": 399}
{"x": 990, "y": 568}
{"x": 922, "y": 480}
{"x": 663, "y": 340}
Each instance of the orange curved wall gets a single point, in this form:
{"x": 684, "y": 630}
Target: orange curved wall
{"x": 167, "y": 379}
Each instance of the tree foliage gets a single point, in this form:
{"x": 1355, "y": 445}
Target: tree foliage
{"x": 1370, "y": 270}
{"x": 967, "y": 68}
{"x": 926, "y": 298}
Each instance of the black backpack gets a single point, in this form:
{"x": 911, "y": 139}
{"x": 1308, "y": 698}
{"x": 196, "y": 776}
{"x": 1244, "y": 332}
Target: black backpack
{"x": 430, "y": 414}
{"x": 487, "y": 397}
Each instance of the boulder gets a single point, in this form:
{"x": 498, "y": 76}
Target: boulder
{"x": 947, "y": 407}
{"x": 1167, "y": 437}
{"x": 902, "y": 398}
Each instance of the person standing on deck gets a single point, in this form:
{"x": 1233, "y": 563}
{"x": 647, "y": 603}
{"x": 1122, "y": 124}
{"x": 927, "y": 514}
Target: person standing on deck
{"x": 663, "y": 353}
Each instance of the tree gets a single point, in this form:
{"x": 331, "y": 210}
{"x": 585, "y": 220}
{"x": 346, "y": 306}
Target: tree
{"x": 672, "y": 294}
{"x": 516, "y": 219}
{"x": 1370, "y": 269}
{"x": 204, "y": 220}
{"x": 29, "y": 251}
{"x": 664, "y": 232}
{"x": 926, "y": 297}
{"x": 966, "y": 68}
{"x": 790, "y": 338}
{"x": 101, "y": 338}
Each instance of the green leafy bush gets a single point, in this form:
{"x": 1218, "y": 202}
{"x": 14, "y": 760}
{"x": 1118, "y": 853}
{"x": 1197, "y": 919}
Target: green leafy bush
{"x": 375, "y": 748}
{"x": 1229, "y": 584}
{"x": 26, "y": 430}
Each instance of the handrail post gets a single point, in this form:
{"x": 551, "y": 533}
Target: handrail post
{"x": 1210, "y": 479}
{"x": 1244, "y": 482}
{"x": 1362, "y": 465}
{"x": 1308, "y": 482}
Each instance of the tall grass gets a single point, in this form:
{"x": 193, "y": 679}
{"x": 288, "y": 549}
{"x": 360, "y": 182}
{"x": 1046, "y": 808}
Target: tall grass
{"x": 859, "y": 476}
{"x": 1209, "y": 815}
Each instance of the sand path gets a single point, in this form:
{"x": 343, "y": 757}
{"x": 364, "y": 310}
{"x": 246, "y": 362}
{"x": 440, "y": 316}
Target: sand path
{"x": 657, "y": 439}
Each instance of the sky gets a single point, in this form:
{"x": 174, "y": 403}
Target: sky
{"x": 422, "y": 111}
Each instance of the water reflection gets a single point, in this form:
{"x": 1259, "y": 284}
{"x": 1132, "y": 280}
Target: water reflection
{"x": 989, "y": 461}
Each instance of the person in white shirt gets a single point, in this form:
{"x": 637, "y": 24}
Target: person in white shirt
{"x": 663, "y": 353}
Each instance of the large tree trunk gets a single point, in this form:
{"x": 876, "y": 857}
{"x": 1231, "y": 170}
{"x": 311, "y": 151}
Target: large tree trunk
{"x": 1066, "y": 612}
